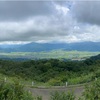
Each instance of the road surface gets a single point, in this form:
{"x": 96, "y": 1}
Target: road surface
{"x": 45, "y": 92}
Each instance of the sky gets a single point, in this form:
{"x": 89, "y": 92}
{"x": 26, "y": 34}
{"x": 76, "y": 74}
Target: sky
{"x": 46, "y": 21}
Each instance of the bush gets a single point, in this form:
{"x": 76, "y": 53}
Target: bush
{"x": 92, "y": 92}
{"x": 13, "y": 92}
{"x": 38, "y": 98}
{"x": 55, "y": 82}
{"x": 62, "y": 96}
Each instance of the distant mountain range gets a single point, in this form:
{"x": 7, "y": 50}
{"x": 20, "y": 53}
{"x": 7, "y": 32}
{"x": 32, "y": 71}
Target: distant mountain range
{"x": 37, "y": 47}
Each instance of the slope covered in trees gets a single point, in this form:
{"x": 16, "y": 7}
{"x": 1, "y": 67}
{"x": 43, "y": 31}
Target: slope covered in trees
{"x": 53, "y": 71}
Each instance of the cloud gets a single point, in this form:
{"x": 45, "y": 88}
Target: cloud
{"x": 23, "y": 22}
{"x": 87, "y": 11}
{"x": 36, "y": 28}
{"x": 40, "y": 22}
{"x": 19, "y": 10}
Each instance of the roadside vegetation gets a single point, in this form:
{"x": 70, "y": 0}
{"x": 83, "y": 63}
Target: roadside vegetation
{"x": 91, "y": 92}
{"x": 16, "y": 91}
{"x": 52, "y": 72}
{"x": 13, "y": 91}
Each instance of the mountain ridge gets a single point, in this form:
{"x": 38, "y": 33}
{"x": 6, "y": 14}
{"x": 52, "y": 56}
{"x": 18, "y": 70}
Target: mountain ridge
{"x": 38, "y": 47}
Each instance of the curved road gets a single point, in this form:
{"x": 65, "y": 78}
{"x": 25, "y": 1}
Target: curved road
{"x": 45, "y": 92}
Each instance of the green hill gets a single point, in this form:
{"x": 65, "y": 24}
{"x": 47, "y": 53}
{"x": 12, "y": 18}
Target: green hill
{"x": 52, "y": 71}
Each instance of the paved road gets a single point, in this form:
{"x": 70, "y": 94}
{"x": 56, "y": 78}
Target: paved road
{"x": 45, "y": 92}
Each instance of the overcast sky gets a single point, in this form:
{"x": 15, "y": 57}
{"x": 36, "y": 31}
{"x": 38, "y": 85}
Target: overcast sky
{"x": 49, "y": 21}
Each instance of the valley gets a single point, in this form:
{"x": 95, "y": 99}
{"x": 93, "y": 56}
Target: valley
{"x": 54, "y": 54}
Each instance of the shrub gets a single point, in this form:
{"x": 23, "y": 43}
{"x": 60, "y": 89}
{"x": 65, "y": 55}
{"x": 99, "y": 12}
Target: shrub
{"x": 92, "y": 91}
{"x": 62, "y": 96}
{"x": 55, "y": 82}
{"x": 13, "y": 91}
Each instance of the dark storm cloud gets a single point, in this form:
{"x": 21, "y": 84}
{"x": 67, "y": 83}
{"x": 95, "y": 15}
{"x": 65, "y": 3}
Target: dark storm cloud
{"x": 87, "y": 11}
{"x": 19, "y": 10}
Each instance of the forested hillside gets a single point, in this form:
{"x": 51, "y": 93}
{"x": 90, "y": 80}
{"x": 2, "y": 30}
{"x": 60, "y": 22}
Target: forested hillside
{"x": 53, "y": 71}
